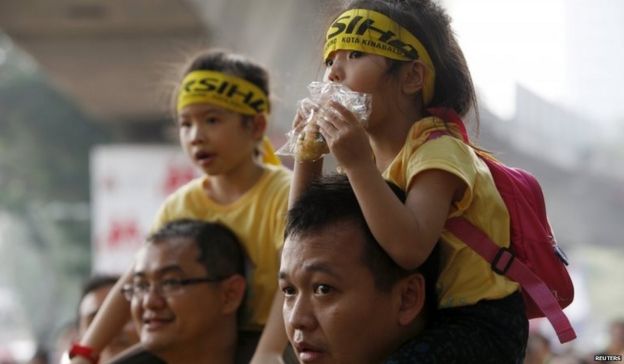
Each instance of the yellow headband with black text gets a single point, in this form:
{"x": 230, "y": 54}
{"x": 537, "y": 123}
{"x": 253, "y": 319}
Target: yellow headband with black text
{"x": 231, "y": 93}
{"x": 372, "y": 32}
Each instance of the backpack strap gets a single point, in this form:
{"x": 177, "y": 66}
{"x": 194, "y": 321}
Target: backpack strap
{"x": 449, "y": 114}
{"x": 505, "y": 263}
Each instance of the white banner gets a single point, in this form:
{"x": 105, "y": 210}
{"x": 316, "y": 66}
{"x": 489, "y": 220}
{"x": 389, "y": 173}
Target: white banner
{"x": 128, "y": 184}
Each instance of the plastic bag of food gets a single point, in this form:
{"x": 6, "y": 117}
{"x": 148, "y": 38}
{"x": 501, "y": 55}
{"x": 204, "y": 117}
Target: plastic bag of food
{"x": 306, "y": 142}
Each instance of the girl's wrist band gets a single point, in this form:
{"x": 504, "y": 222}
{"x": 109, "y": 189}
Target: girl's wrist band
{"x": 83, "y": 352}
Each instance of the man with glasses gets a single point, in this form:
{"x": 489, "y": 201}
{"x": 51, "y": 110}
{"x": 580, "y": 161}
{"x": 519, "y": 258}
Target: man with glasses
{"x": 187, "y": 285}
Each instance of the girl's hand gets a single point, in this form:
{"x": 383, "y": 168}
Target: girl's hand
{"x": 306, "y": 140}
{"x": 345, "y": 136}
{"x": 299, "y": 121}
{"x": 303, "y": 108}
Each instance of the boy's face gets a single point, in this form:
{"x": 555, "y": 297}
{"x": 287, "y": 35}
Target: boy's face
{"x": 332, "y": 310}
{"x": 174, "y": 320}
{"x": 216, "y": 140}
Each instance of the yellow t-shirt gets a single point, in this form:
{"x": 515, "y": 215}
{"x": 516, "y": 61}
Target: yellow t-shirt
{"x": 257, "y": 218}
{"x": 465, "y": 277}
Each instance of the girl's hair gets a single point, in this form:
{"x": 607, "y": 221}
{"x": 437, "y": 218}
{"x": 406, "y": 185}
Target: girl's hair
{"x": 229, "y": 63}
{"x": 430, "y": 23}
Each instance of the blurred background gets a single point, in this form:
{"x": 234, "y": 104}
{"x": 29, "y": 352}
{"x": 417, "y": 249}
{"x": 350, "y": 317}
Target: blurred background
{"x": 88, "y": 150}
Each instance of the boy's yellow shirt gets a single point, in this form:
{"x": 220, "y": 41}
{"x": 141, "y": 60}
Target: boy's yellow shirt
{"x": 257, "y": 218}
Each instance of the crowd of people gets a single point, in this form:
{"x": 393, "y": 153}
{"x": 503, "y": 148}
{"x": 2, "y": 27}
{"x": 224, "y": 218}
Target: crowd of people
{"x": 254, "y": 263}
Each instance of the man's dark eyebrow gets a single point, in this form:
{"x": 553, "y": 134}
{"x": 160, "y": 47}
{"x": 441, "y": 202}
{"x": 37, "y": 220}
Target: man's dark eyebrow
{"x": 320, "y": 267}
{"x": 313, "y": 267}
{"x": 173, "y": 268}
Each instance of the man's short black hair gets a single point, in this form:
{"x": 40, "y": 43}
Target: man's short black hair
{"x": 330, "y": 200}
{"x": 220, "y": 251}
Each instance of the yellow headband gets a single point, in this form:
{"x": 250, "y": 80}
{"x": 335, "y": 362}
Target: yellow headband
{"x": 229, "y": 92}
{"x": 372, "y": 32}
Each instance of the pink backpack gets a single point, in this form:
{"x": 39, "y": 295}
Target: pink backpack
{"x": 534, "y": 259}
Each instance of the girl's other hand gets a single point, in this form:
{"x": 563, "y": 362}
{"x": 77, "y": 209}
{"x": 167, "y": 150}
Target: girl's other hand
{"x": 304, "y": 108}
{"x": 345, "y": 136}
{"x": 299, "y": 121}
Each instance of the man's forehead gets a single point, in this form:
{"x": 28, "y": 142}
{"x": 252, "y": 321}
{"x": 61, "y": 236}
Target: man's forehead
{"x": 316, "y": 249}
{"x": 169, "y": 255}
{"x": 340, "y": 234}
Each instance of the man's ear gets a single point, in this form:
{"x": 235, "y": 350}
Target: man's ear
{"x": 412, "y": 298}
{"x": 258, "y": 126}
{"x": 232, "y": 293}
{"x": 413, "y": 77}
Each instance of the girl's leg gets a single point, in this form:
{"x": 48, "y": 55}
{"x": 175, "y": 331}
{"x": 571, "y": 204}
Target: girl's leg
{"x": 493, "y": 331}
{"x": 246, "y": 346}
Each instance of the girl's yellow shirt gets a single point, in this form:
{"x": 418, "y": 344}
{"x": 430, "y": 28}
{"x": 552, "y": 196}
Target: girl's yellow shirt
{"x": 465, "y": 278}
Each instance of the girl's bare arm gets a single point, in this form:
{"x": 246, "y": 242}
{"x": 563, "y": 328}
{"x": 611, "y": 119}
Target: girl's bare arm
{"x": 304, "y": 173}
{"x": 413, "y": 229}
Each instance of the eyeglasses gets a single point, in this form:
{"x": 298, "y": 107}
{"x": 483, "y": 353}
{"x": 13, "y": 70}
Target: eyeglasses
{"x": 164, "y": 288}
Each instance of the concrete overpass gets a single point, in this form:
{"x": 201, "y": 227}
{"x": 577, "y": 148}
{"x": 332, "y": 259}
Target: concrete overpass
{"x": 115, "y": 58}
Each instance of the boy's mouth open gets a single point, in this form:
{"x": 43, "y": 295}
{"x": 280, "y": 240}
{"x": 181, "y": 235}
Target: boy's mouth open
{"x": 204, "y": 158}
